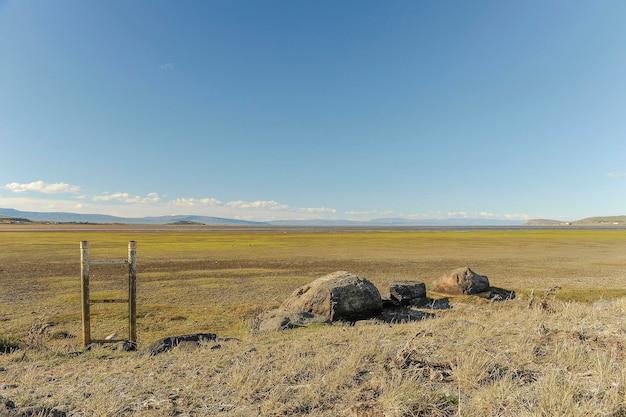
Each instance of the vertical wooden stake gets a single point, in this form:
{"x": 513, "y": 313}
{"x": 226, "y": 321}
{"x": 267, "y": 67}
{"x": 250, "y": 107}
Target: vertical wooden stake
{"x": 132, "y": 292}
{"x": 84, "y": 269}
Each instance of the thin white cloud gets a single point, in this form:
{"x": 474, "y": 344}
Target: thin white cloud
{"x": 357, "y": 213}
{"x": 616, "y": 174}
{"x": 455, "y": 214}
{"x": 43, "y": 187}
{"x": 196, "y": 202}
{"x": 152, "y": 198}
{"x": 267, "y": 205}
{"x": 276, "y": 206}
{"x": 516, "y": 216}
{"x": 487, "y": 215}
{"x": 316, "y": 210}
{"x": 167, "y": 67}
{"x": 451, "y": 215}
{"x": 127, "y": 198}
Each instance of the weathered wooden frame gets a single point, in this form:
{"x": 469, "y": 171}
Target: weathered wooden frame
{"x": 132, "y": 293}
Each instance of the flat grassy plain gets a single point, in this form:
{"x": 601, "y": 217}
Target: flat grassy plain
{"x": 478, "y": 358}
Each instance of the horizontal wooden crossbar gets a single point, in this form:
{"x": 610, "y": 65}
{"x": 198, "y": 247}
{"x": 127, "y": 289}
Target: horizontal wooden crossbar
{"x": 113, "y": 262}
{"x": 109, "y": 300}
{"x": 106, "y": 340}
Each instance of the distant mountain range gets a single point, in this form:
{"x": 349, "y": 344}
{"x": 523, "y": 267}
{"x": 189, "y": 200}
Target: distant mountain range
{"x": 61, "y": 217}
{"x": 11, "y": 215}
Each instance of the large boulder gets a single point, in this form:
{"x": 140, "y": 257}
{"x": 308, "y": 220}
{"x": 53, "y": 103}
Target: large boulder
{"x": 461, "y": 281}
{"x": 337, "y": 296}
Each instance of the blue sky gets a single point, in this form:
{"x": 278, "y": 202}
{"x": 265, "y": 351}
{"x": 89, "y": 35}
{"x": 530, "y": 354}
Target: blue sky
{"x": 268, "y": 110}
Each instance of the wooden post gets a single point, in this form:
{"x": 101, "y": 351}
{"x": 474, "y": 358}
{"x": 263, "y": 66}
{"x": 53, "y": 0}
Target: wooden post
{"x": 132, "y": 292}
{"x": 84, "y": 269}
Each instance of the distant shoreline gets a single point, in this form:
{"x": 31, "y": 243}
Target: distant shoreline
{"x": 60, "y": 227}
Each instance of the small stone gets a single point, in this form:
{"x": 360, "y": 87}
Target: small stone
{"x": 6, "y": 404}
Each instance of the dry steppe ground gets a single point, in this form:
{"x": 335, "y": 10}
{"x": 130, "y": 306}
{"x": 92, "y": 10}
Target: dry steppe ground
{"x": 561, "y": 355}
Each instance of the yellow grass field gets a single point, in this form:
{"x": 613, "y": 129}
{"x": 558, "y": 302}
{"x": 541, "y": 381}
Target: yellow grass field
{"x": 214, "y": 280}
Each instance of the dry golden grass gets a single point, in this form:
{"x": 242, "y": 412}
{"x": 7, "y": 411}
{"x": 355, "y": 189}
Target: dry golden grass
{"x": 478, "y": 359}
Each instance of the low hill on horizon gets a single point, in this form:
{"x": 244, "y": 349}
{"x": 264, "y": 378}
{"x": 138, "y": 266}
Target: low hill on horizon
{"x": 587, "y": 221}
{"x": 545, "y": 222}
{"x": 602, "y": 221}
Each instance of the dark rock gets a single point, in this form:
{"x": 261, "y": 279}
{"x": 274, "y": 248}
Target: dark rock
{"x": 390, "y": 303}
{"x": 6, "y": 404}
{"x": 407, "y": 292}
{"x": 337, "y": 296}
{"x": 498, "y": 294}
{"x": 402, "y": 315}
{"x": 433, "y": 303}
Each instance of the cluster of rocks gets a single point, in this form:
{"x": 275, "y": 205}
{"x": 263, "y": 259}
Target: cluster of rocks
{"x": 344, "y": 296}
